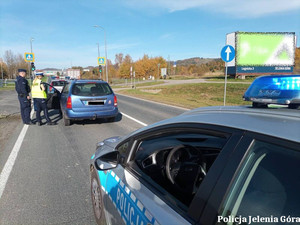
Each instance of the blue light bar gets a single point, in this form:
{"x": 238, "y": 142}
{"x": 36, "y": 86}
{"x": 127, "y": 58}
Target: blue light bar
{"x": 275, "y": 89}
{"x": 286, "y": 83}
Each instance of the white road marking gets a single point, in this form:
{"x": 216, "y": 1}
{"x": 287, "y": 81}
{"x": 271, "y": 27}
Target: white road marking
{"x": 11, "y": 160}
{"x": 12, "y": 157}
{"x": 144, "y": 124}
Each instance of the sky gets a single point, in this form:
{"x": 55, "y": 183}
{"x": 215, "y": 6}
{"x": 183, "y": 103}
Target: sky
{"x": 64, "y": 35}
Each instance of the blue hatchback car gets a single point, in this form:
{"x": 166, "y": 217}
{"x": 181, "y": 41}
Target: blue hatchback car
{"x": 88, "y": 99}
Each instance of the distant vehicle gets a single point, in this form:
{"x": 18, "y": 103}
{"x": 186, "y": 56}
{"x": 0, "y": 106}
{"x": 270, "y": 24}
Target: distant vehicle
{"x": 88, "y": 99}
{"x": 58, "y": 84}
{"x": 213, "y": 165}
{"x": 274, "y": 89}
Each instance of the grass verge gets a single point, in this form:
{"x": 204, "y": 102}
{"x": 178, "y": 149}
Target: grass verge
{"x": 139, "y": 84}
{"x": 192, "y": 95}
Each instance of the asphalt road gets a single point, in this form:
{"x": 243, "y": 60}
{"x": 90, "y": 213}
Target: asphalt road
{"x": 49, "y": 182}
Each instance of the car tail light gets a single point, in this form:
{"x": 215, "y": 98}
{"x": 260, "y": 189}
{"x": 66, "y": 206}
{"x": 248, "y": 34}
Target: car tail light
{"x": 69, "y": 103}
{"x": 115, "y": 101}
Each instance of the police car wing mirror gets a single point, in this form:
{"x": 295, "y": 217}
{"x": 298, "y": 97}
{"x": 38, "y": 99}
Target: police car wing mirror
{"x": 108, "y": 161}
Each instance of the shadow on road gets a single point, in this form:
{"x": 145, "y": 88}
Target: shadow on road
{"x": 97, "y": 121}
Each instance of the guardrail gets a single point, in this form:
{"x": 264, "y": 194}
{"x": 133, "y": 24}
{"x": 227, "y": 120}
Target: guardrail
{"x": 7, "y": 82}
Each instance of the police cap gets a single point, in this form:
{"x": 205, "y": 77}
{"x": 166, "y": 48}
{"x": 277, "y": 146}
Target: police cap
{"x": 39, "y": 74}
{"x": 22, "y": 70}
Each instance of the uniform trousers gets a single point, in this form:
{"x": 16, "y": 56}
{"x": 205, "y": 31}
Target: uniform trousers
{"x": 25, "y": 106}
{"x": 41, "y": 105}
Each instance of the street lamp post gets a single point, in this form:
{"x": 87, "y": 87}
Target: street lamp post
{"x": 98, "y": 50}
{"x": 31, "y": 40}
{"x": 2, "y": 73}
{"x": 97, "y": 26}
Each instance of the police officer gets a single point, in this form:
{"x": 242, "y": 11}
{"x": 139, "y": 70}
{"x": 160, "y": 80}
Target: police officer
{"x": 23, "y": 91}
{"x": 39, "y": 96}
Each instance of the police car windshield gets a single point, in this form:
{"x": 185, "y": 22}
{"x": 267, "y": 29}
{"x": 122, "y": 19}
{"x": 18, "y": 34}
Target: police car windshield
{"x": 91, "y": 89}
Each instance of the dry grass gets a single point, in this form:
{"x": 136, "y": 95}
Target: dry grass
{"x": 193, "y": 95}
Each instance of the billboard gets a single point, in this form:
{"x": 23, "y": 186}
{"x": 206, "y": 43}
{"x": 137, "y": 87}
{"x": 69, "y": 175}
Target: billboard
{"x": 265, "y": 49}
{"x": 262, "y": 52}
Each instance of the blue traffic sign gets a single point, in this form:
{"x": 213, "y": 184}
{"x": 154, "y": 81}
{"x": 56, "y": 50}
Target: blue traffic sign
{"x": 29, "y": 57}
{"x": 227, "y": 53}
{"x": 101, "y": 61}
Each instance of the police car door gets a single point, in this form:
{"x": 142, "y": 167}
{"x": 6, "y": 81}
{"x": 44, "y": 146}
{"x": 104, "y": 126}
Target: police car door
{"x": 128, "y": 201}
{"x": 141, "y": 191}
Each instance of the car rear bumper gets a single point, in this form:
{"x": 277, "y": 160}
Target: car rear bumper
{"x": 70, "y": 114}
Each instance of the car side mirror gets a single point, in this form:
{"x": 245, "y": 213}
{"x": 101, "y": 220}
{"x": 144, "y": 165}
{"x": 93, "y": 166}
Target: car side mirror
{"x": 108, "y": 161}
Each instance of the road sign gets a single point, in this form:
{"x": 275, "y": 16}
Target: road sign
{"x": 29, "y": 57}
{"x": 101, "y": 61}
{"x": 227, "y": 53}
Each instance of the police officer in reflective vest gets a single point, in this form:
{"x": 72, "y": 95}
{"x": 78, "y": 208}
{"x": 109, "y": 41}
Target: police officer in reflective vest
{"x": 39, "y": 96}
{"x": 23, "y": 91}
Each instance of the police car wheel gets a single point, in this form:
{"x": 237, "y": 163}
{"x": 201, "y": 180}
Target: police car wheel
{"x": 96, "y": 198}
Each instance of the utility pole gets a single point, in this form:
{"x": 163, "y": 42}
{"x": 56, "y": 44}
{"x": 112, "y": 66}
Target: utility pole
{"x": 31, "y": 72}
{"x": 100, "y": 67}
{"x": 169, "y": 68}
{"x": 97, "y": 26}
{"x": 2, "y": 73}
{"x": 98, "y": 50}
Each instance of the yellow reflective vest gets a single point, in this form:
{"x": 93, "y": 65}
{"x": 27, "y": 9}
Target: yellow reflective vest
{"x": 36, "y": 90}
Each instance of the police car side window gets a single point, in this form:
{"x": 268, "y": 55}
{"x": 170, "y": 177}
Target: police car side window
{"x": 267, "y": 186}
{"x": 123, "y": 149}
{"x": 177, "y": 162}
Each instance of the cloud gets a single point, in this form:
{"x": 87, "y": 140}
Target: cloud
{"x": 235, "y": 8}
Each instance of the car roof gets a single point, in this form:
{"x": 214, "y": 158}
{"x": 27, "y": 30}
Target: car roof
{"x": 278, "y": 122}
{"x": 59, "y": 80}
{"x": 86, "y": 81}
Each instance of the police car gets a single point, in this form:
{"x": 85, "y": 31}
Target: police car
{"x": 213, "y": 165}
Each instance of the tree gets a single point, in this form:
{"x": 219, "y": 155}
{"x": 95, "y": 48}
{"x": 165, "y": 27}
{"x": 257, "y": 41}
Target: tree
{"x": 119, "y": 59}
{"x": 9, "y": 58}
{"x": 147, "y": 67}
{"x": 124, "y": 70}
{"x": 14, "y": 62}
{"x": 297, "y": 60}
{"x": 3, "y": 69}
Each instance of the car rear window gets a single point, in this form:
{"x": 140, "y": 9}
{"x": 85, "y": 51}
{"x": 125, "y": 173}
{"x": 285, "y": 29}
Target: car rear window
{"x": 91, "y": 89}
{"x": 58, "y": 83}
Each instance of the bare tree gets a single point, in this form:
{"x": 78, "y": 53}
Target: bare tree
{"x": 13, "y": 63}
{"x": 119, "y": 59}
{"x": 9, "y": 58}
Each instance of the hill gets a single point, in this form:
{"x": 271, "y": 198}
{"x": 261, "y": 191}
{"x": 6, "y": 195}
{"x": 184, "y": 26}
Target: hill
{"x": 194, "y": 61}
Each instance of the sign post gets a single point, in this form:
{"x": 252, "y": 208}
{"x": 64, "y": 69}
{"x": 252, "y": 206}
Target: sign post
{"x": 227, "y": 55}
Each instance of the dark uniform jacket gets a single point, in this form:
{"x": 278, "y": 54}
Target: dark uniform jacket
{"x": 22, "y": 87}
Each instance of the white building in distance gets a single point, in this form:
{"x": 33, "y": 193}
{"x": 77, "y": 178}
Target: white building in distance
{"x": 73, "y": 73}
